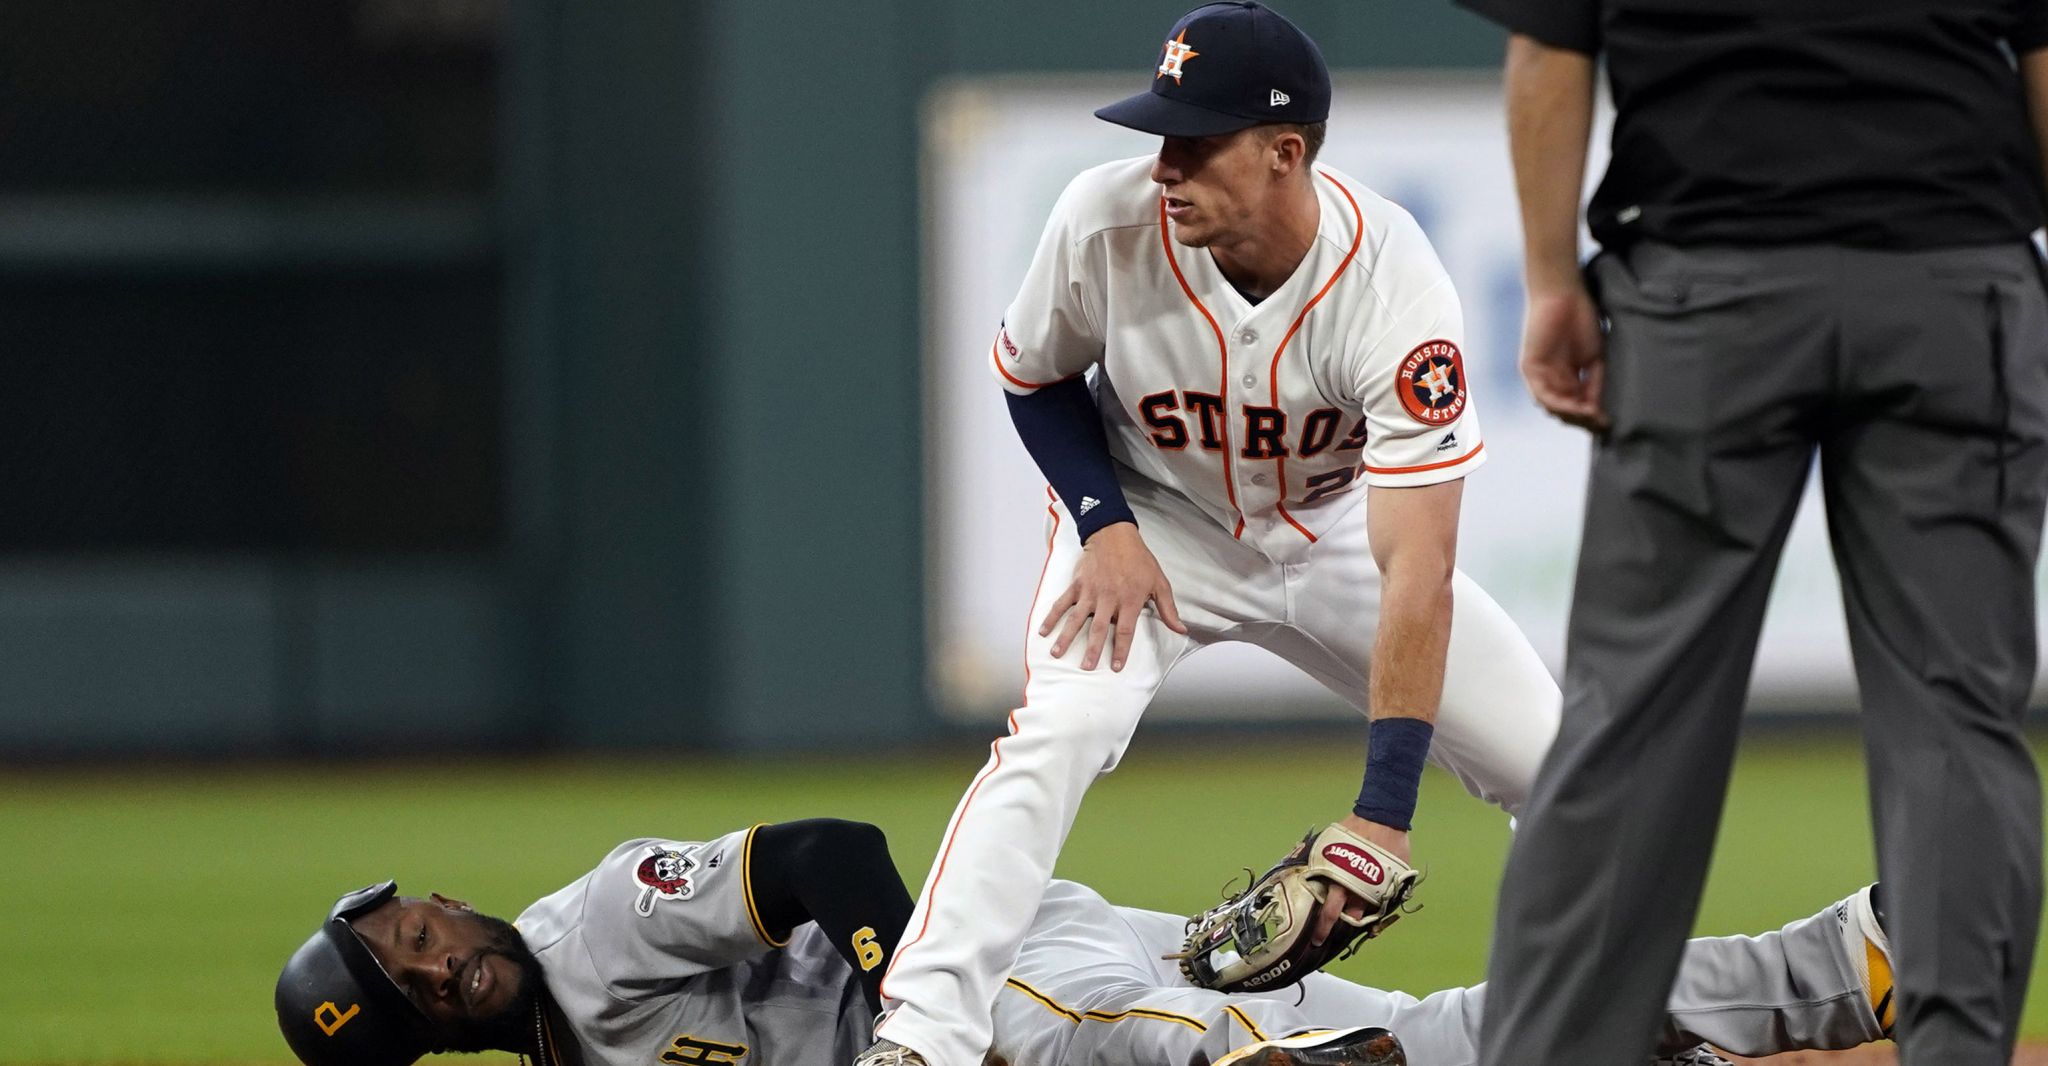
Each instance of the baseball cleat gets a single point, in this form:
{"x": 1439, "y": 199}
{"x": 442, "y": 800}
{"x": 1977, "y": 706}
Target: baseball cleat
{"x": 1693, "y": 1056}
{"x": 888, "y": 1053}
{"x": 1870, "y": 952}
{"x": 1367, "y": 1046}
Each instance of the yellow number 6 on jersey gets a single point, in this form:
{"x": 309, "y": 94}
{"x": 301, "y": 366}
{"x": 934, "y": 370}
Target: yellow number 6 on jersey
{"x": 865, "y": 949}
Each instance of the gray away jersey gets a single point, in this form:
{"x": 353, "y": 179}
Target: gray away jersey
{"x": 658, "y": 956}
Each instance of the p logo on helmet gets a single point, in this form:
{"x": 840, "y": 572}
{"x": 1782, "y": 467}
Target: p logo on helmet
{"x": 331, "y": 1018}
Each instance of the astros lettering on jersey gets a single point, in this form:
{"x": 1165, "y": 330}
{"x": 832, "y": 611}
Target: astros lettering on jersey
{"x": 1266, "y": 415}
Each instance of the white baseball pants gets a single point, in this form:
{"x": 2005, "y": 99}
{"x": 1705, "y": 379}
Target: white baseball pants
{"x": 1499, "y": 713}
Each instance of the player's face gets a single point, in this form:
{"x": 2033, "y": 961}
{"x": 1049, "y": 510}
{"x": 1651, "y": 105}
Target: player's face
{"x": 1214, "y": 187}
{"x": 470, "y": 973}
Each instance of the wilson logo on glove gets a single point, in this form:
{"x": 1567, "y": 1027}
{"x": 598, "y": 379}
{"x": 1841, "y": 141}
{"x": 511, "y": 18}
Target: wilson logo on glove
{"x": 1356, "y": 861}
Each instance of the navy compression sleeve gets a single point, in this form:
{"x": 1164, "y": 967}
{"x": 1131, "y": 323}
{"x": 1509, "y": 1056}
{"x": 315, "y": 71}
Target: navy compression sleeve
{"x": 1062, "y": 429}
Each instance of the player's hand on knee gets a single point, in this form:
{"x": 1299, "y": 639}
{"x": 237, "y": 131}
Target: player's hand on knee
{"x": 1117, "y": 577}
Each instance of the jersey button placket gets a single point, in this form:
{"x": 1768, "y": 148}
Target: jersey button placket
{"x": 1249, "y": 472}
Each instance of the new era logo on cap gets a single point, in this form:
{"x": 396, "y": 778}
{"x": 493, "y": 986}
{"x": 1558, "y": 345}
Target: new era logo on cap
{"x": 1278, "y": 98}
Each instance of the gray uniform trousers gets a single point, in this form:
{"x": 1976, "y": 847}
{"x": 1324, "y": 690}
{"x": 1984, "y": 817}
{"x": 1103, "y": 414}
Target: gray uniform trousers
{"x": 1922, "y": 380}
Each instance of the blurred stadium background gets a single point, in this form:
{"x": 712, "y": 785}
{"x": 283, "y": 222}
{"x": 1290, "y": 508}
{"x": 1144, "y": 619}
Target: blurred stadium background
{"x": 445, "y": 437}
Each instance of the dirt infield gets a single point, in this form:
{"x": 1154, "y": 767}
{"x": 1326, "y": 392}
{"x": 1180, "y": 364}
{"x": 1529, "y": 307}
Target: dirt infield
{"x": 2034, "y": 1054}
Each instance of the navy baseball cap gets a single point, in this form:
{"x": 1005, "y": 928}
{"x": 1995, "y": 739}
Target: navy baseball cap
{"x": 1227, "y": 66}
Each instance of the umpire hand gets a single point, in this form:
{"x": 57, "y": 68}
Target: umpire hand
{"x": 1117, "y": 576}
{"x": 1564, "y": 356}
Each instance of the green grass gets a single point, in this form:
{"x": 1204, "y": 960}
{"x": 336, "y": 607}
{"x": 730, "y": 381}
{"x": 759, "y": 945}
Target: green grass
{"x": 147, "y": 912}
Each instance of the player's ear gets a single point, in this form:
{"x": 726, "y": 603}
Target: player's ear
{"x": 1288, "y": 153}
{"x": 452, "y": 904}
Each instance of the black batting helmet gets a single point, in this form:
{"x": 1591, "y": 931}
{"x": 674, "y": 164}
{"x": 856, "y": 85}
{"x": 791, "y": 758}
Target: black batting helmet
{"x": 336, "y": 1004}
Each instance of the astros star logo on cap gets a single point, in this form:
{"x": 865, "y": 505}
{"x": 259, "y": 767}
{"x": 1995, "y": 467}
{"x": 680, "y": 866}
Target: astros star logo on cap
{"x": 1177, "y": 52}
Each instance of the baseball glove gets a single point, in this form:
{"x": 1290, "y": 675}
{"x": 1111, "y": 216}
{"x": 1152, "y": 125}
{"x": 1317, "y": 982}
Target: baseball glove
{"x": 1258, "y": 939}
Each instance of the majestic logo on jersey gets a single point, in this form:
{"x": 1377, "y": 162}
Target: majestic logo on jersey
{"x": 664, "y": 874}
{"x": 1365, "y": 866}
{"x": 1431, "y": 381}
{"x": 1177, "y": 53}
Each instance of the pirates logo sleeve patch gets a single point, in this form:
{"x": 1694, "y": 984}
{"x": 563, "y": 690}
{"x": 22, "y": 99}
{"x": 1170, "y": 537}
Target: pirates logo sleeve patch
{"x": 664, "y": 873}
{"x": 1431, "y": 383}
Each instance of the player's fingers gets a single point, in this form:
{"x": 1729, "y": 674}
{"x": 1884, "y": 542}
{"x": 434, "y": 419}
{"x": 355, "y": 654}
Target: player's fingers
{"x": 1126, "y": 630}
{"x": 1162, "y": 597}
{"x": 1326, "y": 915}
{"x": 1059, "y": 607}
{"x": 1076, "y": 618}
{"x": 1098, "y": 634}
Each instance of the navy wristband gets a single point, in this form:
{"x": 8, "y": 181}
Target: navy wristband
{"x": 1062, "y": 429}
{"x": 1393, "y": 771}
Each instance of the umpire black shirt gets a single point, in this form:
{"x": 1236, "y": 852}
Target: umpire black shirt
{"x": 1876, "y": 123}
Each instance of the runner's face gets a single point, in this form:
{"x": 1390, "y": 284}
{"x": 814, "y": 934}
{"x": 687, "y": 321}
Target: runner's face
{"x": 462, "y": 968}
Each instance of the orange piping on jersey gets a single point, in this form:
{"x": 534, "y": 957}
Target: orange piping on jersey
{"x": 1222, "y": 355}
{"x": 1273, "y": 374}
{"x": 1425, "y": 466}
{"x": 995, "y": 751}
{"x": 1014, "y": 379}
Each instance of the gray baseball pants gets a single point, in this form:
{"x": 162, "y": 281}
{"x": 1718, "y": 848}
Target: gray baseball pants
{"x": 1091, "y": 989}
{"x": 1921, "y": 380}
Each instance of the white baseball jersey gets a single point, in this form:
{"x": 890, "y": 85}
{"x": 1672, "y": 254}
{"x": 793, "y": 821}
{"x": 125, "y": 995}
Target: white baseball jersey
{"x": 1266, "y": 415}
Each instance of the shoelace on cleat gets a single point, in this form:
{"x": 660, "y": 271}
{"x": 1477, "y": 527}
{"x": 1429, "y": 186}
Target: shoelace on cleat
{"x": 894, "y": 1056}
